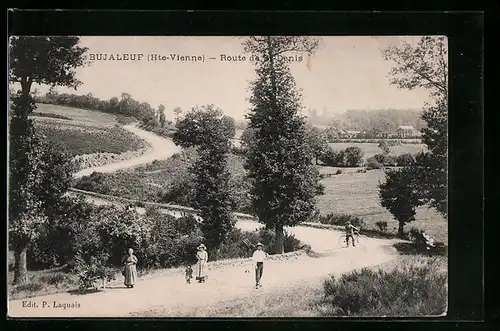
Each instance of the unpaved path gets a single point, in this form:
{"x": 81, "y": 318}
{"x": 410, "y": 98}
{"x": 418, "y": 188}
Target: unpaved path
{"x": 169, "y": 295}
{"x": 161, "y": 149}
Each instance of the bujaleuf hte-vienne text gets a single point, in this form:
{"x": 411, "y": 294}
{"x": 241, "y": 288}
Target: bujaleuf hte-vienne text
{"x": 154, "y": 57}
{"x": 50, "y": 304}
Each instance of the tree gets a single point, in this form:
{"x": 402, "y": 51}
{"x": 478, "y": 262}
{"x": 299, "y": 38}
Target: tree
{"x": 318, "y": 142}
{"x": 353, "y": 156}
{"x": 162, "y": 119}
{"x": 384, "y": 146}
{"x": 44, "y": 60}
{"x": 247, "y": 138}
{"x": 41, "y": 60}
{"x": 39, "y": 175}
{"x": 212, "y": 191}
{"x": 284, "y": 180}
{"x": 199, "y": 125}
{"x": 177, "y": 111}
{"x": 426, "y": 66}
{"x": 400, "y": 195}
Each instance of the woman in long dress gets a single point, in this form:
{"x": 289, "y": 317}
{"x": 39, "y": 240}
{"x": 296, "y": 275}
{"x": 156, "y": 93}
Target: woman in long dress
{"x": 130, "y": 262}
{"x": 201, "y": 265}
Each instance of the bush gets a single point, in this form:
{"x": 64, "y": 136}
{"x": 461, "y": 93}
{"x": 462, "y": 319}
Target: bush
{"x": 125, "y": 120}
{"x": 411, "y": 290}
{"x": 386, "y": 160}
{"x": 338, "y": 172}
{"x": 341, "y": 220}
{"x": 404, "y": 160}
{"x": 372, "y": 163}
{"x": 353, "y": 156}
{"x": 381, "y": 225}
{"x": 95, "y": 182}
{"x": 92, "y": 270}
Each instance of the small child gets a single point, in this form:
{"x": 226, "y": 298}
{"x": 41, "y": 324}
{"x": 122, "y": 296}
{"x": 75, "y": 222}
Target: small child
{"x": 189, "y": 274}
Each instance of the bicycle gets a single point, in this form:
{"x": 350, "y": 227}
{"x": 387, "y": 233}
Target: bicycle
{"x": 356, "y": 237}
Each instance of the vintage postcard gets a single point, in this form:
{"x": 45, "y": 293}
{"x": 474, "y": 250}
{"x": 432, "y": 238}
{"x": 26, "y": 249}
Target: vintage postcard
{"x": 264, "y": 176}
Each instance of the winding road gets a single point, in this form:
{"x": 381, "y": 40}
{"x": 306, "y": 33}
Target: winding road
{"x": 167, "y": 294}
{"x": 160, "y": 149}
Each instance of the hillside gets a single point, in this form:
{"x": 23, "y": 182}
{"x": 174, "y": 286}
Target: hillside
{"x": 81, "y": 131}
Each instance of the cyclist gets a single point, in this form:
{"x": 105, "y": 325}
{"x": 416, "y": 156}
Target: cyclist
{"x": 349, "y": 233}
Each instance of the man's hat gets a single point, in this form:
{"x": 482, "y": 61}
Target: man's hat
{"x": 259, "y": 244}
{"x": 202, "y": 246}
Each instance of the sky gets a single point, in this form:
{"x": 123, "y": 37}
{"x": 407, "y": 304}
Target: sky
{"x": 347, "y": 72}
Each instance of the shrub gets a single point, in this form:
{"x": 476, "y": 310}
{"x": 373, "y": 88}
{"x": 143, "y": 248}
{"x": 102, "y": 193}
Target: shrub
{"x": 411, "y": 290}
{"x": 125, "y": 120}
{"x": 353, "y": 156}
{"x": 338, "y": 172}
{"x": 372, "y": 163}
{"x": 95, "y": 182}
{"x": 404, "y": 160}
{"x": 92, "y": 270}
{"x": 29, "y": 287}
{"x": 361, "y": 171}
{"x": 341, "y": 220}
{"x": 330, "y": 158}
{"x": 381, "y": 225}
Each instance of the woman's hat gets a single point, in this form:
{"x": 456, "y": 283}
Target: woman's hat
{"x": 259, "y": 244}
{"x": 202, "y": 246}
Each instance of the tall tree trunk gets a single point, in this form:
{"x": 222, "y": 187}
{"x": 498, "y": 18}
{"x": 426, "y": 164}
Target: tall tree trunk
{"x": 279, "y": 243}
{"x": 401, "y": 229}
{"x": 20, "y": 267}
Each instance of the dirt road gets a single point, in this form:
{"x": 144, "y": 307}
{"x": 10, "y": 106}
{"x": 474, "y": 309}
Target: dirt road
{"x": 161, "y": 148}
{"x": 170, "y": 295}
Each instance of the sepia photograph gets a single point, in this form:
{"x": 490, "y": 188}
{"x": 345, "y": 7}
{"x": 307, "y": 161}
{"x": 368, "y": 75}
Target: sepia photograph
{"x": 229, "y": 176}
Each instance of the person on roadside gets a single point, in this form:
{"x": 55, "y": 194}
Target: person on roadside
{"x": 258, "y": 258}
{"x": 188, "y": 273}
{"x": 349, "y": 233}
{"x": 130, "y": 269}
{"x": 201, "y": 266}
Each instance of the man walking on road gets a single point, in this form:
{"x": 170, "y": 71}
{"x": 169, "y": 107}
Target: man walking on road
{"x": 258, "y": 257}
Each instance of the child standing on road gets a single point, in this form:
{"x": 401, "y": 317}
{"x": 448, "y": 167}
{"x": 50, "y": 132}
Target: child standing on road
{"x": 189, "y": 274}
{"x": 258, "y": 257}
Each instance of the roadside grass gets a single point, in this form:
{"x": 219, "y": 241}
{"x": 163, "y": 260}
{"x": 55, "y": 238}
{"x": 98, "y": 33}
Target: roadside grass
{"x": 42, "y": 282}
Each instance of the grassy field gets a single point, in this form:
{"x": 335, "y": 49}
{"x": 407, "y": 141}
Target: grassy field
{"x": 370, "y": 149}
{"x": 87, "y": 132}
{"x": 357, "y": 194}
